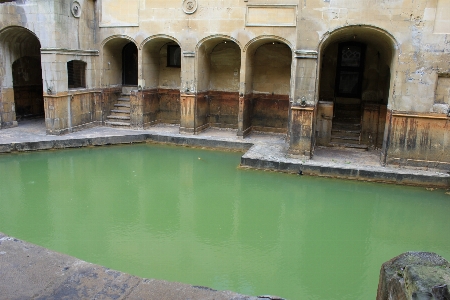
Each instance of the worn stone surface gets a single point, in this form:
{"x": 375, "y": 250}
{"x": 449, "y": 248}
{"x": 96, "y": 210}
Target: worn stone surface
{"x": 28, "y": 271}
{"x": 414, "y": 275}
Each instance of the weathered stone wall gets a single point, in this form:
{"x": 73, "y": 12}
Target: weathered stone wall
{"x": 418, "y": 140}
{"x": 223, "y": 109}
{"x": 169, "y": 106}
{"x": 270, "y": 112}
{"x": 66, "y": 113}
{"x": 225, "y": 65}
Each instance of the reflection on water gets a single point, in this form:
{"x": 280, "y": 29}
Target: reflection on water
{"x": 190, "y": 215}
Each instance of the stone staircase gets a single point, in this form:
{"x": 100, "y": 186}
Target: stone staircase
{"x": 346, "y": 128}
{"x": 120, "y": 115}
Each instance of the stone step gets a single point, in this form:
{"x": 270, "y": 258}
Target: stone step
{"x": 348, "y": 145}
{"x": 346, "y": 126}
{"x": 354, "y": 131}
{"x": 117, "y": 124}
{"x": 122, "y": 105}
{"x": 125, "y": 99}
{"x": 118, "y": 117}
{"x": 121, "y": 111}
{"x": 345, "y": 137}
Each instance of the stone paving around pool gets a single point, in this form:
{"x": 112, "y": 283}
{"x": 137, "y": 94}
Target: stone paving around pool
{"x": 28, "y": 271}
{"x": 263, "y": 151}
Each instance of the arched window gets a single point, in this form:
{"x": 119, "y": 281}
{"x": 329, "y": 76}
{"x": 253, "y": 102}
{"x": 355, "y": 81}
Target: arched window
{"x": 76, "y": 74}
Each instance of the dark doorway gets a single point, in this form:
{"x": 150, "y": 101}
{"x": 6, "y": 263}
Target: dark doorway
{"x": 130, "y": 64}
{"x": 350, "y": 69}
{"x": 27, "y": 84}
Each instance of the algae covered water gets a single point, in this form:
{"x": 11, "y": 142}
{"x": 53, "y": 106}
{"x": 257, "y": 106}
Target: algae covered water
{"x": 192, "y": 216}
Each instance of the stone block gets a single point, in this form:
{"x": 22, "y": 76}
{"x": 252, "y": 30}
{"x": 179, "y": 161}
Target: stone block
{"x": 414, "y": 275}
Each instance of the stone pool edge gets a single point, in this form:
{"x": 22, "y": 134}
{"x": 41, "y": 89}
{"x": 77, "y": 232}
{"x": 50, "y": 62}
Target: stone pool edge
{"x": 264, "y": 161}
{"x": 351, "y": 173}
{"x": 29, "y": 271}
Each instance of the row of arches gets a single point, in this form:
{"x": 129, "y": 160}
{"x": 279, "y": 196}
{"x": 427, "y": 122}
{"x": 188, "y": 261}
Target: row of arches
{"x": 218, "y": 72}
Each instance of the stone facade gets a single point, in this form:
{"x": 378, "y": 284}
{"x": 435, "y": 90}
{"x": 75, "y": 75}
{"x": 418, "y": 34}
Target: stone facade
{"x": 301, "y": 68}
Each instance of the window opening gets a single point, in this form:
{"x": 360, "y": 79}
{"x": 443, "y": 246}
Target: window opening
{"x": 174, "y": 56}
{"x": 76, "y": 74}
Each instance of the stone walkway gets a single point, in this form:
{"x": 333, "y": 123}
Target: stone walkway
{"x": 264, "y": 151}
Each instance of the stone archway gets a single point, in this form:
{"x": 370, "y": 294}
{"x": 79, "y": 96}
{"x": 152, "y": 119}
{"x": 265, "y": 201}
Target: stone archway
{"x": 355, "y": 65}
{"x": 21, "y": 86}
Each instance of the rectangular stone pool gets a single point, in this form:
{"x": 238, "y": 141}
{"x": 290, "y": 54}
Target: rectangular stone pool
{"x": 193, "y": 216}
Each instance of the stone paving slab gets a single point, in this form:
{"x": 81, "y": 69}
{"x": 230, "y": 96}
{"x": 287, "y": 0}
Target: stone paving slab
{"x": 28, "y": 271}
{"x": 263, "y": 151}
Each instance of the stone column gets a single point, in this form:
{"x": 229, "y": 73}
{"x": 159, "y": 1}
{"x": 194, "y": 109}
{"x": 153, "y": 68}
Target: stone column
{"x": 188, "y": 97}
{"x": 303, "y": 104}
{"x": 244, "y": 113}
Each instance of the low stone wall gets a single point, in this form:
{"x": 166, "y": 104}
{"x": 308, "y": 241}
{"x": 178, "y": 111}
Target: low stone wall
{"x": 76, "y": 110}
{"x": 418, "y": 140}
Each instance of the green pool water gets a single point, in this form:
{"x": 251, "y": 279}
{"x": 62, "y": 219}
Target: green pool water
{"x": 192, "y": 216}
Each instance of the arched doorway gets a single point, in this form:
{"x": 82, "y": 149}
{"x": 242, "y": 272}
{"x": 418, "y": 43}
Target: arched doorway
{"x": 354, "y": 87}
{"x": 27, "y": 84}
{"x": 21, "y": 85}
{"x": 120, "y": 62}
{"x": 130, "y": 64}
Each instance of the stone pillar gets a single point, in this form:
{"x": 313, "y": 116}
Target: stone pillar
{"x": 414, "y": 276}
{"x": 244, "y": 115}
{"x": 301, "y": 130}
{"x": 303, "y": 104}
{"x": 245, "y": 96}
{"x": 187, "y": 118}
